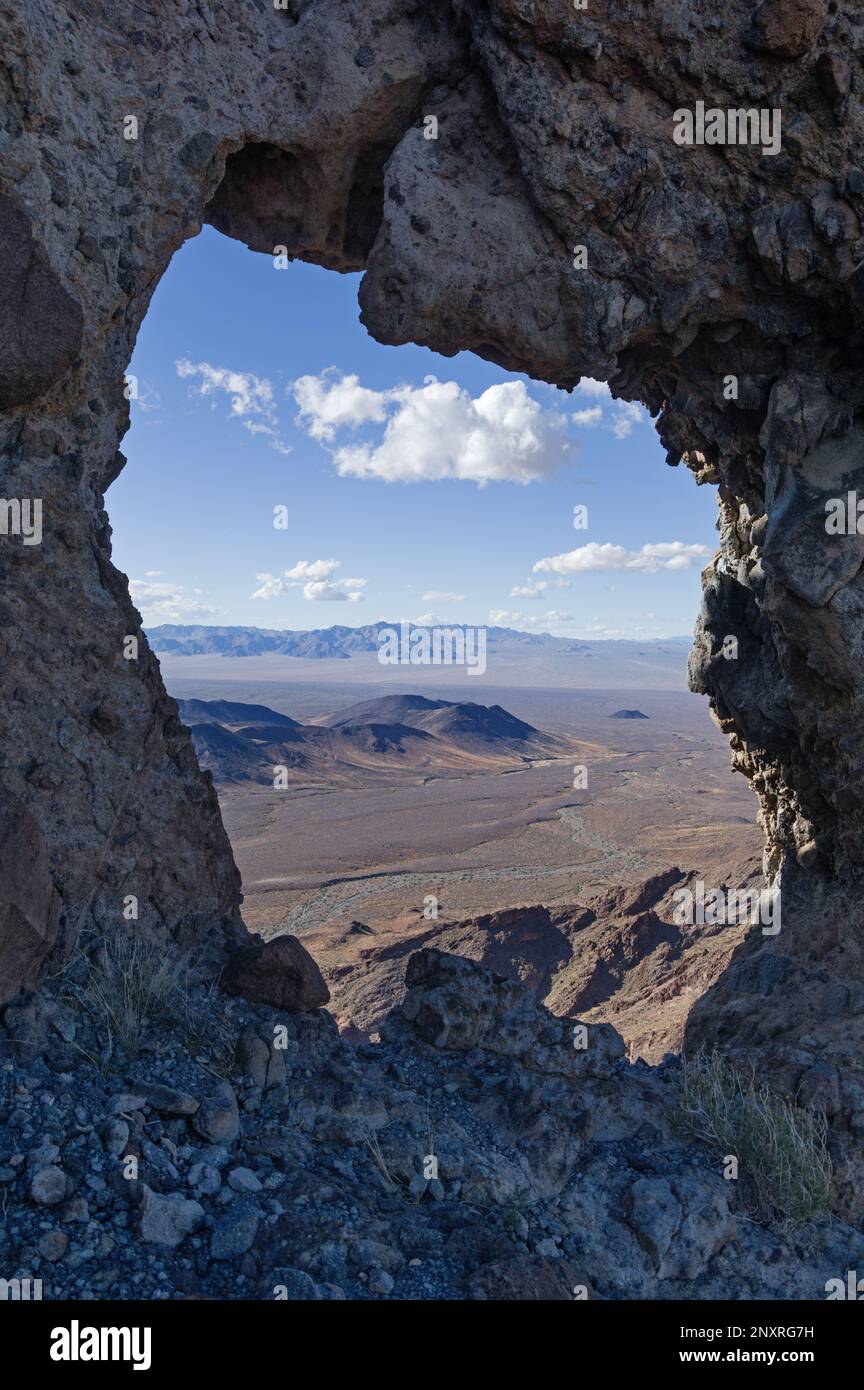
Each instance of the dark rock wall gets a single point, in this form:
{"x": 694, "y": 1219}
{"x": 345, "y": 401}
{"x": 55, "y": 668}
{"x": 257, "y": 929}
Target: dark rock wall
{"x": 303, "y": 127}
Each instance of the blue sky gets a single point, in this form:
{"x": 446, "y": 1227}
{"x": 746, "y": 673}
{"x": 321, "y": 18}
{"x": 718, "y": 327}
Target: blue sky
{"x": 404, "y": 496}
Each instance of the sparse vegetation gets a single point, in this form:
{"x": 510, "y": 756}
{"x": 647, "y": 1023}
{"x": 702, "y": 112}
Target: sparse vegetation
{"x": 781, "y": 1148}
{"x": 376, "y": 1153}
{"x": 129, "y": 989}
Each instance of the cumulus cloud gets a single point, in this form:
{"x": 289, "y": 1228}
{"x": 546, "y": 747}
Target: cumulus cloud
{"x": 661, "y": 555}
{"x": 434, "y": 431}
{"x": 619, "y": 417}
{"x": 443, "y": 596}
{"x": 503, "y": 617}
{"x": 589, "y": 417}
{"x": 534, "y": 589}
{"x": 589, "y": 387}
{"x": 313, "y": 569}
{"x": 316, "y": 579}
{"x": 168, "y": 603}
{"x": 251, "y": 397}
{"x": 627, "y": 415}
{"x": 329, "y": 403}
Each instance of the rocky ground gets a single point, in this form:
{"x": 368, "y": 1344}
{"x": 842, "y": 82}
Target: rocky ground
{"x": 619, "y": 958}
{"x": 274, "y": 1159}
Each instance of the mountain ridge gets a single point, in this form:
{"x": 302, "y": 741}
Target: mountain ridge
{"x": 372, "y": 736}
{"x": 341, "y": 642}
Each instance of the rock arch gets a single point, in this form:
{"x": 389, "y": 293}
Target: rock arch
{"x": 303, "y": 126}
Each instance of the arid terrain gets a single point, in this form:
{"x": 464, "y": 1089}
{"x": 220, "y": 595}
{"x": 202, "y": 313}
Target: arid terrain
{"x": 661, "y": 208}
{"x": 405, "y": 821}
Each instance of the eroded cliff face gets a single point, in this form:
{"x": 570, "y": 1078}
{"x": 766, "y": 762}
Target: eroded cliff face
{"x": 555, "y": 226}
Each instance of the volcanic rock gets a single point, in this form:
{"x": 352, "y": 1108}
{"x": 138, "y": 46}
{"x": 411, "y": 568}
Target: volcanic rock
{"x": 280, "y": 972}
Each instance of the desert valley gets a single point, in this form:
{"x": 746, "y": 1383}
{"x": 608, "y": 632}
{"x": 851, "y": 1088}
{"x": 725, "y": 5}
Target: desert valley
{"x": 541, "y": 829}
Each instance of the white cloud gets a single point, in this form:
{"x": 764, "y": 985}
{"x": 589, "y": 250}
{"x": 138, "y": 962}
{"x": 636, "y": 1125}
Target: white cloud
{"x": 534, "y": 589}
{"x": 662, "y": 555}
{"x": 316, "y": 579}
{"x": 587, "y": 419}
{"x": 148, "y": 399}
{"x": 628, "y": 414}
{"x": 443, "y": 596}
{"x": 251, "y": 397}
{"x": 435, "y": 431}
{"x": 503, "y": 617}
{"x": 167, "y": 603}
{"x": 620, "y": 417}
{"x": 343, "y": 590}
{"x": 315, "y": 569}
{"x": 601, "y": 630}
{"x": 329, "y": 403}
{"x": 589, "y": 387}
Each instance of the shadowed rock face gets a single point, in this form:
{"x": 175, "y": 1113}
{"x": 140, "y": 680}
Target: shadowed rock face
{"x": 40, "y": 323}
{"x": 29, "y": 904}
{"x": 302, "y": 128}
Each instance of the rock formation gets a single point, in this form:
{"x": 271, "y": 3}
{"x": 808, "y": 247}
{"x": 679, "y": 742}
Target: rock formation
{"x": 621, "y": 958}
{"x": 475, "y": 1153}
{"x": 554, "y": 226}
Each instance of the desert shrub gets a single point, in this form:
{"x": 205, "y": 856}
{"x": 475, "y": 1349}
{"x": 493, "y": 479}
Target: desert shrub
{"x": 782, "y": 1149}
{"x": 133, "y": 992}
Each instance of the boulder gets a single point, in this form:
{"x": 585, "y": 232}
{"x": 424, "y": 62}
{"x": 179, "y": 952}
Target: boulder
{"x": 454, "y": 1004}
{"x": 787, "y": 28}
{"x": 280, "y": 973}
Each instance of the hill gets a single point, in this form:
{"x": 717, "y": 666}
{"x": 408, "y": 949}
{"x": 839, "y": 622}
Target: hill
{"x": 397, "y": 734}
{"x": 231, "y": 712}
{"x": 460, "y": 722}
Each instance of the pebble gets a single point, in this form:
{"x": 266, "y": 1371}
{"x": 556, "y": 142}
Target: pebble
{"x": 205, "y": 1178}
{"x": 48, "y": 1186}
{"x": 53, "y": 1245}
{"x": 380, "y": 1282}
{"x": 244, "y": 1180}
{"x": 167, "y": 1220}
{"x": 124, "y": 1102}
{"x": 234, "y": 1233}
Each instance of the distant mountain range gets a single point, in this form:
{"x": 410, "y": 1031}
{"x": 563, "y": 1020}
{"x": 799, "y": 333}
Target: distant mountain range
{"x": 351, "y": 654}
{"x": 340, "y": 642}
{"x": 239, "y": 742}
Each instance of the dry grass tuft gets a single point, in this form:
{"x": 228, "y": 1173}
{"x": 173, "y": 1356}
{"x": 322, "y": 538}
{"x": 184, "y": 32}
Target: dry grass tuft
{"x": 132, "y": 991}
{"x": 782, "y": 1150}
